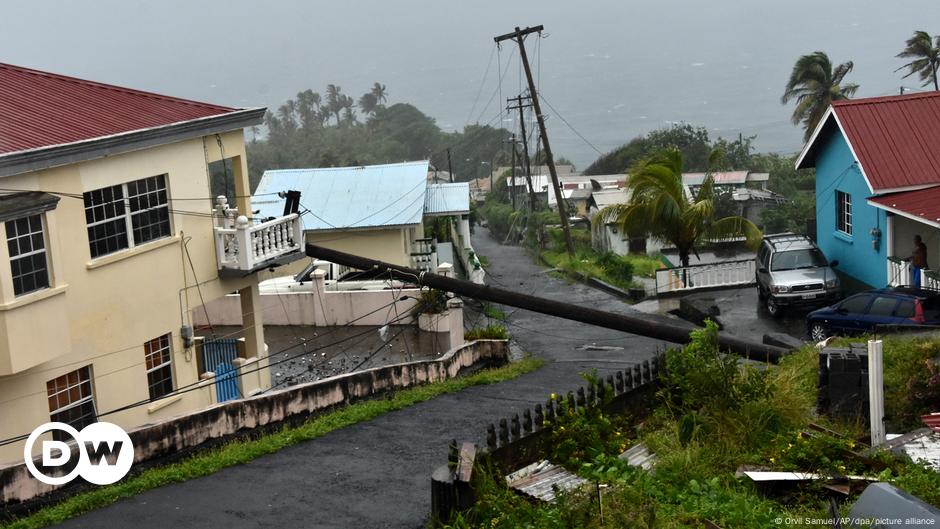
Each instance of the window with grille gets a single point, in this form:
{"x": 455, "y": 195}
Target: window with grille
{"x": 158, "y": 355}
{"x": 844, "y": 212}
{"x": 122, "y": 216}
{"x": 26, "y": 243}
{"x": 71, "y": 401}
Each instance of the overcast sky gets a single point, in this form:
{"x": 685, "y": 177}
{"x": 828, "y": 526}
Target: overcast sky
{"x": 613, "y": 69}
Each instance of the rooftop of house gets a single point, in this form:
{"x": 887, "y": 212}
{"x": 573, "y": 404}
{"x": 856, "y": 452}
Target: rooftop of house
{"x": 41, "y": 109}
{"x": 447, "y": 199}
{"x": 344, "y": 198}
{"x": 921, "y": 205}
{"x": 48, "y": 119}
{"x": 725, "y": 178}
{"x": 896, "y": 139}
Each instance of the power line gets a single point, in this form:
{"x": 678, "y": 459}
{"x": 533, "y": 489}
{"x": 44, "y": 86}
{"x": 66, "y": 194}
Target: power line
{"x": 565, "y": 121}
{"x": 489, "y": 64}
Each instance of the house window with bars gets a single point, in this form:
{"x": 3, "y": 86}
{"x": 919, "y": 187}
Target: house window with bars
{"x": 71, "y": 401}
{"x": 158, "y": 356}
{"x": 29, "y": 265}
{"x": 844, "y": 212}
{"x": 123, "y": 216}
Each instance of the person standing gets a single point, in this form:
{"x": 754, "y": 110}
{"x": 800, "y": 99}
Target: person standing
{"x": 918, "y": 260}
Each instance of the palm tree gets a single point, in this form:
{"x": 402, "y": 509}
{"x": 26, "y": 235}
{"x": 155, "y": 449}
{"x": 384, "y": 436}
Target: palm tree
{"x": 925, "y": 50}
{"x": 662, "y": 208}
{"x": 815, "y": 85}
{"x": 368, "y": 103}
{"x": 378, "y": 91}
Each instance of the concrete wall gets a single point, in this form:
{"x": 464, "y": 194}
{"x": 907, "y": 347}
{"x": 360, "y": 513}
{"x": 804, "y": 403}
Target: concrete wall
{"x": 172, "y": 436}
{"x": 100, "y": 312}
{"x": 836, "y": 171}
{"x": 392, "y": 245}
{"x": 315, "y": 308}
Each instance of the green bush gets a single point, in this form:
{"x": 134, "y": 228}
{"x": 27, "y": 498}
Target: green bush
{"x": 616, "y": 266}
{"x": 490, "y": 332}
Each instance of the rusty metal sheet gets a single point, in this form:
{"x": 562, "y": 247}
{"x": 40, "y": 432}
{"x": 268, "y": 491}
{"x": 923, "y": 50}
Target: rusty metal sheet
{"x": 541, "y": 480}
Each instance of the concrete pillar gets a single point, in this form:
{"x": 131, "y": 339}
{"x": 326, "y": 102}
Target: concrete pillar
{"x": 464, "y": 227}
{"x": 242, "y": 187}
{"x": 252, "y": 320}
{"x": 455, "y": 322}
{"x": 318, "y": 282}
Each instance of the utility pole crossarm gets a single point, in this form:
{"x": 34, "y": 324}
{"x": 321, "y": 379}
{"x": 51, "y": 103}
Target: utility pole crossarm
{"x": 519, "y": 33}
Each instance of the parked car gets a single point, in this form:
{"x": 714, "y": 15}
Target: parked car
{"x": 792, "y": 271}
{"x": 860, "y": 313}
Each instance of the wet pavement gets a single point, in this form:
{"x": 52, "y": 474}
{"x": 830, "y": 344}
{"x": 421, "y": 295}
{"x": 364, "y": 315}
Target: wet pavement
{"x": 377, "y": 473}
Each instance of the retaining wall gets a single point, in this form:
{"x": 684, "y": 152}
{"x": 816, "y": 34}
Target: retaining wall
{"x": 185, "y": 433}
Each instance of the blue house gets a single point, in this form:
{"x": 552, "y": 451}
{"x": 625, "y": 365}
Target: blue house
{"x": 877, "y": 166}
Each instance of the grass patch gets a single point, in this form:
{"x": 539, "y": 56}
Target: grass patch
{"x": 490, "y": 332}
{"x": 240, "y": 452}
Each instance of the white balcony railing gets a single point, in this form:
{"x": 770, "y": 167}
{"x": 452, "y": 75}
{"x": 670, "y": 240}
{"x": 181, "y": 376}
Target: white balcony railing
{"x": 243, "y": 246}
{"x": 729, "y": 273}
{"x": 899, "y": 275}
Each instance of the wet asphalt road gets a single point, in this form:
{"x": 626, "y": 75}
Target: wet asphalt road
{"x": 377, "y": 473}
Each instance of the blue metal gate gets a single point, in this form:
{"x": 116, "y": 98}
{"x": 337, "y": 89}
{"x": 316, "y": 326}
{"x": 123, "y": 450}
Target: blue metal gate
{"x": 217, "y": 356}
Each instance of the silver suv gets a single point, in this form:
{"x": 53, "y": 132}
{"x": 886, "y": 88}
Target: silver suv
{"x": 792, "y": 271}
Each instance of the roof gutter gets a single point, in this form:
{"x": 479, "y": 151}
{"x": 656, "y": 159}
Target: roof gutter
{"x": 68, "y": 153}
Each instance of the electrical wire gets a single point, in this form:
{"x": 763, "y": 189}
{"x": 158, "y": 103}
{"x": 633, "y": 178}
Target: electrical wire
{"x": 565, "y": 121}
{"x": 489, "y": 64}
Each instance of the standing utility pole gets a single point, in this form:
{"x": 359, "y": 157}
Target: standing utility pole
{"x": 450, "y": 169}
{"x": 512, "y": 171}
{"x": 525, "y": 145}
{"x": 518, "y": 37}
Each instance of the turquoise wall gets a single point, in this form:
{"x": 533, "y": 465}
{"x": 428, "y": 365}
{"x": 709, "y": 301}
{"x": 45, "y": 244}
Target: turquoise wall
{"x": 836, "y": 170}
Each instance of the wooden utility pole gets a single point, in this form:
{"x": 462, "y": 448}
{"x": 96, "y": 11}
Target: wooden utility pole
{"x": 651, "y": 325}
{"x": 518, "y": 36}
{"x": 512, "y": 172}
{"x": 525, "y": 146}
{"x": 450, "y": 169}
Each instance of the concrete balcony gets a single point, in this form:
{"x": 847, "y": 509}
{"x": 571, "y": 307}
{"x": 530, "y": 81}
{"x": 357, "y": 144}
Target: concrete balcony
{"x": 243, "y": 248}
{"x": 21, "y": 345}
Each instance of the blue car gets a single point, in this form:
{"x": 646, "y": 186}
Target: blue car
{"x": 860, "y": 313}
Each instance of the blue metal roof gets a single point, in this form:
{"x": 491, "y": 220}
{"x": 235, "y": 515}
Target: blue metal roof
{"x": 447, "y": 199}
{"x": 349, "y": 197}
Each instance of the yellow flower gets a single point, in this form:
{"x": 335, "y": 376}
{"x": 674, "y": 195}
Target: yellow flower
{"x": 561, "y": 428}
{"x": 773, "y": 460}
{"x": 789, "y": 446}
{"x": 799, "y": 435}
{"x": 851, "y": 444}
{"x": 552, "y": 396}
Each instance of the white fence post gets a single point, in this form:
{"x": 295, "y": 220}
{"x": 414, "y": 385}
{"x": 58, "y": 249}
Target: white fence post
{"x": 876, "y": 391}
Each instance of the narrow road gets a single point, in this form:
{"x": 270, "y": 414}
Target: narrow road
{"x": 377, "y": 474}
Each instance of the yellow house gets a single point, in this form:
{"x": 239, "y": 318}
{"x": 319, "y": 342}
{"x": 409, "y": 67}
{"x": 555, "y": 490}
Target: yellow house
{"x": 112, "y": 240}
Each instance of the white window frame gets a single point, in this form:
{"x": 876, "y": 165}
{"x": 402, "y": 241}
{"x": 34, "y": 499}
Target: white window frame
{"x": 44, "y": 251}
{"x": 128, "y": 214}
{"x": 168, "y": 363}
{"x": 844, "y": 212}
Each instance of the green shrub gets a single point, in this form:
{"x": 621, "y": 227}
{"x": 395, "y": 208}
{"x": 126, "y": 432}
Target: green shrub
{"x": 616, "y": 266}
{"x": 491, "y": 332}
{"x": 430, "y": 301}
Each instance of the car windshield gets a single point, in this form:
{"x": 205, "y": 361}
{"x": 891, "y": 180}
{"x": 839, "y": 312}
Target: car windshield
{"x": 797, "y": 259}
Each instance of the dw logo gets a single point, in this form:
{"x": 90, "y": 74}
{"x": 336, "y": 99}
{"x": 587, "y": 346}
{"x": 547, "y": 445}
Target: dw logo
{"x": 105, "y": 453}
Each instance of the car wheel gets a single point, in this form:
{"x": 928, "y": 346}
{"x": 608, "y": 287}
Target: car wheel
{"x": 772, "y": 308}
{"x": 818, "y": 332}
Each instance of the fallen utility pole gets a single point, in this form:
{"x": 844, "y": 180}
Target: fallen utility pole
{"x": 649, "y": 325}
{"x": 518, "y": 37}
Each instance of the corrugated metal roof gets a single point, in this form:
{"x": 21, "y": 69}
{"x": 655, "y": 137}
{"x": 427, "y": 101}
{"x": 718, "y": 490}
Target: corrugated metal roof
{"x": 896, "y": 139}
{"x": 721, "y": 178}
{"x": 447, "y": 199}
{"x": 922, "y": 205}
{"x": 610, "y": 197}
{"x": 40, "y": 109}
{"x": 349, "y": 197}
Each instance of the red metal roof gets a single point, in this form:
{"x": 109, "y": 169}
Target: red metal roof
{"x": 40, "y": 109}
{"x": 923, "y": 204}
{"x": 896, "y": 139}
{"x": 932, "y": 421}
